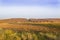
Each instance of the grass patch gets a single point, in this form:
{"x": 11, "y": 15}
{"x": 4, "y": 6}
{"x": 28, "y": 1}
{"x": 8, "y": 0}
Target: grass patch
{"x": 10, "y": 34}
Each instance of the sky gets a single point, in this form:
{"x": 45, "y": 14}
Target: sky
{"x": 29, "y": 9}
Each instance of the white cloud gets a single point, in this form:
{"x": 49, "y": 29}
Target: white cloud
{"x": 28, "y": 12}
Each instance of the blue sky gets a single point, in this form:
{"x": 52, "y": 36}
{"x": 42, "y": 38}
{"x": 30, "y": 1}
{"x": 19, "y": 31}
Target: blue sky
{"x": 29, "y": 2}
{"x": 29, "y": 8}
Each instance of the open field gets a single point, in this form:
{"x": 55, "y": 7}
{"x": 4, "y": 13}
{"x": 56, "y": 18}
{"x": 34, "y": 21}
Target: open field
{"x": 23, "y": 29}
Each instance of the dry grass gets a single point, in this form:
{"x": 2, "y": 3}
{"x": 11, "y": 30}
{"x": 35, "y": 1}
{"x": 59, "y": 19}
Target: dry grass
{"x": 49, "y": 30}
